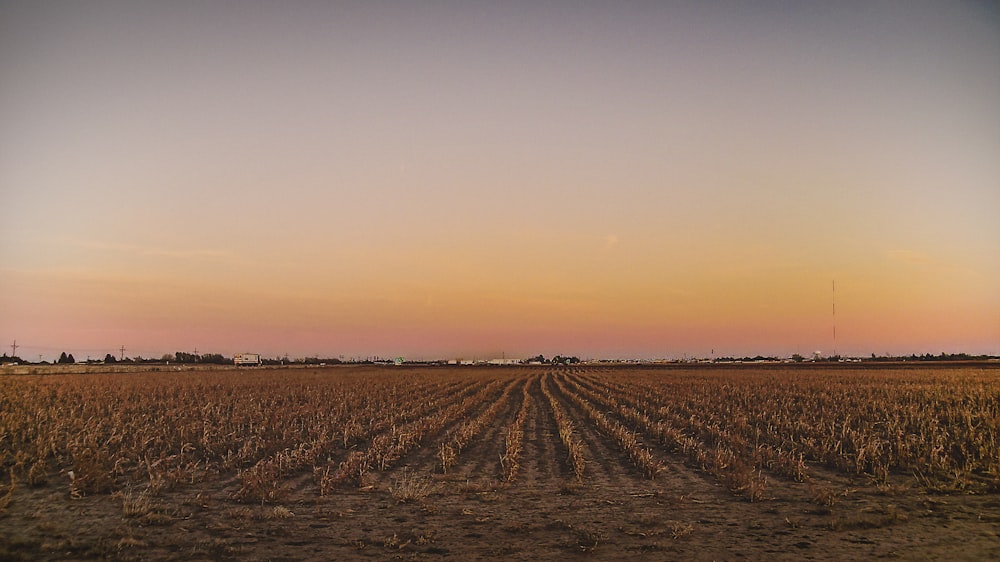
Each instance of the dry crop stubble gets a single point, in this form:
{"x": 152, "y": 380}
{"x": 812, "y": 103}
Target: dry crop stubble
{"x": 845, "y": 451}
{"x": 514, "y": 437}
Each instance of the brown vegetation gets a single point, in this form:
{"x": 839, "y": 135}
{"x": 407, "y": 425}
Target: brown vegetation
{"x": 501, "y": 463}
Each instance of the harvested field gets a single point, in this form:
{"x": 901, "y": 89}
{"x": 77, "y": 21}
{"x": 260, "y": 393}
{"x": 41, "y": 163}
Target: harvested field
{"x": 513, "y": 463}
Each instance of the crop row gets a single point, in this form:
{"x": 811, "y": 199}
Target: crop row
{"x": 573, "y": 444}
{"x": 738, "y": 474}
{"x": 941, "y": 427}
{"x": 261, "y": 481}
{"x": 105, "y": 432}
{"x": 455, "y": 442}
{"x": 257, "y": 429}
{"x": 510, "y": 460}
{"x": 387, "y": 448}
{"x": 626, "y": 439}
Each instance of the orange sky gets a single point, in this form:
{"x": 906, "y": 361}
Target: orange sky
{"x": 649, "y": 181}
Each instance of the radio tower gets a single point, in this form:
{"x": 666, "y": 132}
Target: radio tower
{"x": 833, "y": 294}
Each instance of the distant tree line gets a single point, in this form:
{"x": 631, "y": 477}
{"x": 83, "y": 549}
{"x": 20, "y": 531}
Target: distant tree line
{"x": 192, "y": 358}
{"x": 320, "y": 361}
{"x": 10, "y": 359}
{"x": 186, "y": 358}
{"x": 557, "y": 360}
{"x": 795, "y": 357}
{"x": 944, "y": 357}
{"x": 179, "y": 357}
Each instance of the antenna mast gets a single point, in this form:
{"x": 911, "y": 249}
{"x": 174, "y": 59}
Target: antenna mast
{"x": 833, "y": 293}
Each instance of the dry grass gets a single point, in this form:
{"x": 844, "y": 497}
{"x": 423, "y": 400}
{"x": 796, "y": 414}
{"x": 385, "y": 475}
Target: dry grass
{"x": 6, "y": 496}
{"x": 135, "y": 504}
{"x": 410, "y": 486}
{"x": 680, "y": 530}
{"x": 824, "y": 495}
{"x": 38, "y": 474}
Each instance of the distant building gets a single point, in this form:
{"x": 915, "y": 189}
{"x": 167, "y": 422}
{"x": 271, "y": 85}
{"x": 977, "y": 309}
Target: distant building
{"x": 246, "y": 359}
{"x": 505, "y": 361}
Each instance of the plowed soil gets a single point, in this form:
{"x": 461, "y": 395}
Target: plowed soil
{"x": 544, "y": 513}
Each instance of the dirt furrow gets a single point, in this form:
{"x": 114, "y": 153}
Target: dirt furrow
{"x": 605, "y": 464}
{"x": 481, "y": 459}
{"x": 544, "y": 456}
{"x": 424, "y": 457}
{"x": 677, "y": 476}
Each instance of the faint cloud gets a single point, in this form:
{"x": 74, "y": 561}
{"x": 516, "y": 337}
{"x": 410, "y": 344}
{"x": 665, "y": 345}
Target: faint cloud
{"x": 140, "y": 250}
{"x": 184, "y": 254}
{"x": 909, "y": 256}
{"x": 610, "y": 241}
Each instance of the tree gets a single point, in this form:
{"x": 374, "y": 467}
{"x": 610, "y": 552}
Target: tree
{"x": 110, "y": 358}
{"x": 11, "y": 359}
{"x": 214, "y": 359}
{"x": 183, "y": 357}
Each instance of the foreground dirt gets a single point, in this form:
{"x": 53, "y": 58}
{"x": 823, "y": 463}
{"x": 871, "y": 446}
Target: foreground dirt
{"x": 545, "y": 513}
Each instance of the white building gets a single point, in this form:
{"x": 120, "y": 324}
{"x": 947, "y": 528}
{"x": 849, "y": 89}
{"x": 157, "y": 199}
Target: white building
{"x": 505, "y": 361}
{"x": 247, "y": 359}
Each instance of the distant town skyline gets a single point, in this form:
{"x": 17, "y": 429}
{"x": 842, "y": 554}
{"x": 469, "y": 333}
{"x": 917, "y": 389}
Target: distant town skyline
{"x": 454, "y": 179}
{"x": 320, "y": 359}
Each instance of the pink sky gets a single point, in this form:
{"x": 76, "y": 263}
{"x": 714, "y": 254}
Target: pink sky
{"x": 452, "y": 180}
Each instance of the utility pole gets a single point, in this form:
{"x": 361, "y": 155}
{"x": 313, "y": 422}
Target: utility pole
{"x": 123, "y": 353}
{"x": 13, "y": 349}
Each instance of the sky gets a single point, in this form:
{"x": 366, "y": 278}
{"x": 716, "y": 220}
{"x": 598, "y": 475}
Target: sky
{"x": 470, "y": 179}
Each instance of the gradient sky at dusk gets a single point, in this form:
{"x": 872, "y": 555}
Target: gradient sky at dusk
{"x": 442, "y": 179}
